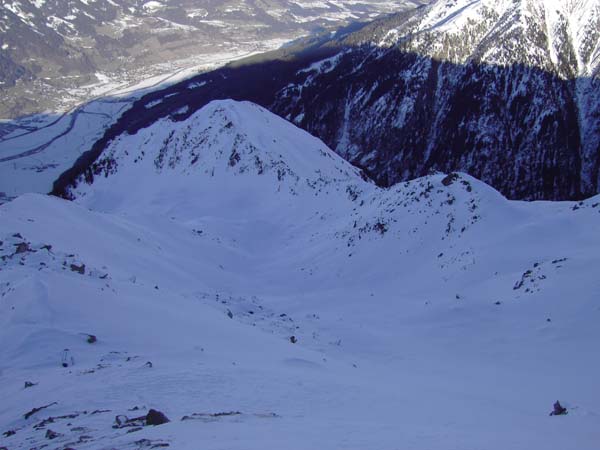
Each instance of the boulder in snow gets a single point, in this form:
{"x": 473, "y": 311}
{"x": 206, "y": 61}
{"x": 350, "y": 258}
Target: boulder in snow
{"x": 155, "y": 417}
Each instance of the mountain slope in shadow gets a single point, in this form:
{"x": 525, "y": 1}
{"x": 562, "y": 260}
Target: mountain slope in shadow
{"x": 401, "y": 98}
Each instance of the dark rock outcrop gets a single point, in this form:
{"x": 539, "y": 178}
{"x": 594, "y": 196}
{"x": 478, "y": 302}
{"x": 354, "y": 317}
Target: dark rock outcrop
{"x": 155, "y": 417}
{"x": 559, "y": 410}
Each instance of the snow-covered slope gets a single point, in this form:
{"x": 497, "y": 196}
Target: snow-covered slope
{"x": 215, "y": 145}
{"x": 432, "y": 315}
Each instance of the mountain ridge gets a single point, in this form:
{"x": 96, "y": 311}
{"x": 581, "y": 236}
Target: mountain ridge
{"x": 397, "y": 112}
{"x": 260, "y": 306}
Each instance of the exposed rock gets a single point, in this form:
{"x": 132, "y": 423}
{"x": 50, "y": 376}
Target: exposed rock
{"x": 22, "y": 247}
{"x": 122, "y": 421}
{"x": 449, "y": 179}
{"x": 67, "y": 359}
{"x": 559, "y": 410}
{"x": 27, "y": 415}
{"x": 147, "y": 443}
{"x": 199, "y": 416}
{"x": 51, "y": 419}
{"x": 79, "y": 269}
{"x": 51, "y": 434}
{"x": 155, "y": 417}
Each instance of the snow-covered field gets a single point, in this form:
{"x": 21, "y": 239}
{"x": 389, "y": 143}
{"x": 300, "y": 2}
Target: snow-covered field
{"x": 432, "y": 315}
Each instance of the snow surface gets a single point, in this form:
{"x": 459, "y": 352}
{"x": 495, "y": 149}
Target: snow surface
{"x": 432, "y": 315}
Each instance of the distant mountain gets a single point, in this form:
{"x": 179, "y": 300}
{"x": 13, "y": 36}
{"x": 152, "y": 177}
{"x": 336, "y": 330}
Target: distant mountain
{"x": 48, "y": 47}
{"x": 508, "y": 91}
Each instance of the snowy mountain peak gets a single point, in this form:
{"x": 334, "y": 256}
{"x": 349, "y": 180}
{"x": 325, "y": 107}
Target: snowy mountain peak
{"x": 226, "y": 143}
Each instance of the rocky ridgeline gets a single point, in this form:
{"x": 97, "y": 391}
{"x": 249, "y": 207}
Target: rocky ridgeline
{"x": 451, "y": 197}
{"x": 16, "y": 251}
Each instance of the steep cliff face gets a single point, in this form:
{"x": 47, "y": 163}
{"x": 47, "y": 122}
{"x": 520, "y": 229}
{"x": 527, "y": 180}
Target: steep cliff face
{"x": 507, "y": 91}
